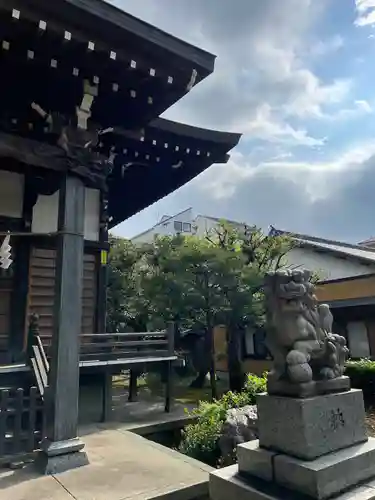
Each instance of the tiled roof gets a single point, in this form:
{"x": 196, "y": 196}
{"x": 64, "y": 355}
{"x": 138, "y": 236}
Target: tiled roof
{"x": 341, "y": 248}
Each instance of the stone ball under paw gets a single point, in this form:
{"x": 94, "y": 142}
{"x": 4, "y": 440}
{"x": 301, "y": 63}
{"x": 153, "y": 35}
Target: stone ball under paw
{"x": 296, "y": 358}
{"x": 300, "y": 374}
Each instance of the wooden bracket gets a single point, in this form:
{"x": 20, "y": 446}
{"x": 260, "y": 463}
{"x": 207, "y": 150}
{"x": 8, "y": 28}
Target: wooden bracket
{"x": 84, "y": 111}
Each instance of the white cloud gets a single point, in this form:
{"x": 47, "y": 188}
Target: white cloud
{"x": 359, "y": 109}
{"x": 366, "y": 12}
{"x": 262, "y": 58}
{"x": 270, "y": 82}
{"x": 364, "y": 106}
{"x": 267, "y": 127}
{"x": 325, "y": 47}
{"x": 221, "y": 181}
{"x": 316, "y": 179}
{"x": 311, "y": 103}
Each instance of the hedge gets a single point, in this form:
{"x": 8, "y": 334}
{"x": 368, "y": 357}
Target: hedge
{"x": 362, "y": 376}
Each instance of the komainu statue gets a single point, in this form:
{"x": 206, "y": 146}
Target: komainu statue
{"x": 308, "y": 358}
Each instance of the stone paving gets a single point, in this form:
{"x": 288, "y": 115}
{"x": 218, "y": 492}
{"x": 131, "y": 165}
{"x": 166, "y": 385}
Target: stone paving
{"x": 123, "y": 465}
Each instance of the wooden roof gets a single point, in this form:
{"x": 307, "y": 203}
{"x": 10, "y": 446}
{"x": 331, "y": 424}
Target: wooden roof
{"x": 49, "y": 48}
{"x": 165, "y": 157}
{"x": 53, "y": 54}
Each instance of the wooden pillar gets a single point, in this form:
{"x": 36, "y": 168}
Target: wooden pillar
{"x": 171, "y": 329}
{"x": 133, "y": 385}
{"x": 103, "y": 269}
{"x": 101, "y": 318}
{"x": 107, "y": 397}
{"x": 62, "y": 448}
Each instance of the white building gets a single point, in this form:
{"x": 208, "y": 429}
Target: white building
{"x": 182, "y": 223}
{"x": 333, "y": 260}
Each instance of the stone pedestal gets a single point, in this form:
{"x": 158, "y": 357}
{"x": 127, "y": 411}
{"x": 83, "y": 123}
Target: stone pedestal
{"x": 309, "y": 389}
{"x": 312, "y": 427}
{"x": 308, "y": 448}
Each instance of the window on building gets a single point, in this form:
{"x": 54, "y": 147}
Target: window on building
{"x": 187, "y": 227}
{"x": 358, "y": 340}
{"x": 178, "y": 226}
{"x": 255, "y": 346}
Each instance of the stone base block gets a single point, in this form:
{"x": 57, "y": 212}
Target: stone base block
{"x": 61, "y": 463}
{"x": 308, "y": 390}
{"x": 60, "y": 456}
{"x": 327, "y": 475}
{"x": 255, "y": 461}
{"x": 226, "y": 483}
{"x": 321, "y": 478}
{"x": 312, "y": 427}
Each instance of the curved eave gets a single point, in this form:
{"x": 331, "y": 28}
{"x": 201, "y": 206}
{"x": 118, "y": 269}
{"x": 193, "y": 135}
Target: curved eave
{"x": 135, "y": 71}
{"x": 230, "y": 139}
{"x": 149, "y": 171}
{"x": 111, "y": 24}
{"x": 146, "y": 184}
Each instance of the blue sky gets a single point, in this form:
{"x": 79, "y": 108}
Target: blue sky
{"x": 297, "y": 78}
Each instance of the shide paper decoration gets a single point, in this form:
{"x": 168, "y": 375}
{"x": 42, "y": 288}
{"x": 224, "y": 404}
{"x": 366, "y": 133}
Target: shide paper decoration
{"x": 5, "y": 253}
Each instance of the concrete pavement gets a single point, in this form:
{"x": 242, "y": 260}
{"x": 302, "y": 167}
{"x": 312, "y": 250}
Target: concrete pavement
{"x": 123, "y": 465}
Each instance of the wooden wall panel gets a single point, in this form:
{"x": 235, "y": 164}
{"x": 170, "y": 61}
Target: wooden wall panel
{"x": 347, "y": 289}
{"x": 41, "y": 297}
{"x": 6, "y": 289}
{"x": 90, "y": 279}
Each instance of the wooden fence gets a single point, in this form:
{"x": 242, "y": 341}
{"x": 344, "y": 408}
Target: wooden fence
{"x": 21, "y": 423}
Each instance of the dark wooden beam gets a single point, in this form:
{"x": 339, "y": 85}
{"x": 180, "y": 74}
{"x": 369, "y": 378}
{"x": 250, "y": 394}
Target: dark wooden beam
{"x": 103, "y": 265}
{"x": 62, "y": 448}
{"x": 78, "y": 160}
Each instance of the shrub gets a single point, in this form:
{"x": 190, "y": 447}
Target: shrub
{"x": 201, "y": 439}
{"x": 362, "y": 376}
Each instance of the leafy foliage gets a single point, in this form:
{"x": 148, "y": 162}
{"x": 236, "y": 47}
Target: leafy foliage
{"x": 362, "y": 376}
{"x": 216, "y": 279}
{"x": 197, "y": 282}
{"x": 200, "y": 440}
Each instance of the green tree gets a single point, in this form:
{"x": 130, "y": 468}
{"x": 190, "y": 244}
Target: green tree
{"x": 197, "y": 282}
{"x": 180, "y": 277}
{"x": 126, "y": 303}
{"x": 242, "y": 286}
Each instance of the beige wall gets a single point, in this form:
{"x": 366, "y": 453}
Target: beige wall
{"x": 360, "y": 287}
{"x": 11, "y": 194}
{"x": 46, "y": 210}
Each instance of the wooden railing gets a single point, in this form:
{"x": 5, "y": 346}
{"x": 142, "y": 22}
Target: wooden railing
{"x": 130, "y": 350}
{"x": 112, "y": 352}
{"x": 21, "y": 423}
{"x": 138, "y": 348}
